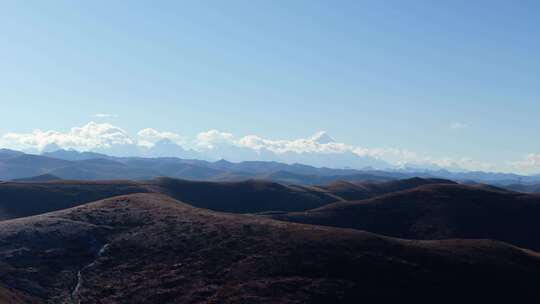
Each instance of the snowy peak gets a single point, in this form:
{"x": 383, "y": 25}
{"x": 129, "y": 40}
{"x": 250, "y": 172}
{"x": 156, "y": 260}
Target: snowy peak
{"x": 322, "y": 137}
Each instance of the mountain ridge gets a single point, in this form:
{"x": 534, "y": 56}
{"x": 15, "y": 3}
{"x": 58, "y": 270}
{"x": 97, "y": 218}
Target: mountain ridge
{"x": 78, "y": 165}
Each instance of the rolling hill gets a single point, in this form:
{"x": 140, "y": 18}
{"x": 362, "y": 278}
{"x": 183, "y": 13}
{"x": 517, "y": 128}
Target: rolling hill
{"x": 242, "y": 197}
{"x": 148, "y": 248}
{"x": 19, "y": 199}
{"x": 437, "y": 211}
{"x": 527, "y": 188}
{"x": 29, "y": 197}
{"x": 363, "y": 190}
{"x": 37, "y": 179}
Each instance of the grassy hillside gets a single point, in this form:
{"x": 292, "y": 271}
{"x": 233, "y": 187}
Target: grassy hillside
{"x": 148, "y": 248}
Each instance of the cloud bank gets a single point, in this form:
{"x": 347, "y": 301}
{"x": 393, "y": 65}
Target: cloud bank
{"x": 88, "y": 137}
{"x": 531, "y": 163}
{"x": 149, "y": 136}
{"x": 319, "y": 149}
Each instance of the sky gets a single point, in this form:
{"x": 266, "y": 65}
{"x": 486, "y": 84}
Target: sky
{"x": 447, "y": 82}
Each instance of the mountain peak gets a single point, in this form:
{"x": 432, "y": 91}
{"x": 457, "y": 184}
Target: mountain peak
{"x": 52, "y": 147}
{"x": 166, "y": 142}
{"x": 322, "y": 137}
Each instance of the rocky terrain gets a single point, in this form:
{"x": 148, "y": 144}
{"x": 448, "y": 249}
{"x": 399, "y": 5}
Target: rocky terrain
{"x": 149, "y": 248}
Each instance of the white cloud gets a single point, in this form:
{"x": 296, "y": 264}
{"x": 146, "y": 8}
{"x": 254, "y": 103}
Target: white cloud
{"x": 321, "y": 143}
{"x": 318, "y": 143}
{"x": 529, "y": 164}
{"x": 458, "y": 126}
{"x": 149, "y": 136}
{"x": 105, "y": 138}
{"x": 393, "y": 154}
{"x": 210, "y": 138}
{"x": 105, "y": 115}
{"x": 90, "y": 136}
{"x": 463, "y": 163}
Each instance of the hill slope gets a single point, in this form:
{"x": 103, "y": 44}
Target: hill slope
{"x": 39, "y": 178}
{"x": 437, "y": 212}
{"x": 365, "y": 190}
{"x": 148, "y": 248}
{"x": 243, "y": 197}
{"x": 534, "y": 188}
{"x": 18, "y": 199}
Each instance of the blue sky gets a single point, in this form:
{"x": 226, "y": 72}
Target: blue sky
{"x": 453, "y": 79}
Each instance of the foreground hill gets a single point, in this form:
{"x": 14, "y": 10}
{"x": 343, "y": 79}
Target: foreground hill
{"x": 438, "y": 212}
{"x": 10, "y": 296}
{"x": 148, "y": 248}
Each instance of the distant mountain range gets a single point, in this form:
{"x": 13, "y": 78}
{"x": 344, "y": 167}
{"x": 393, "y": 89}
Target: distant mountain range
{"x": 319, "y": 150}
{"x": 70, "y": 164}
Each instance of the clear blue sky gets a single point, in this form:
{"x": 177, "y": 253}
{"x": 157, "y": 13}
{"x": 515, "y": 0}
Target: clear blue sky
{"x": 370, "y": 73}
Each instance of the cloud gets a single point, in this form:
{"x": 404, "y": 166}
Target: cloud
{"x": 149, "y": 136}
{"x": 105, "y": 137}
{"x": 90, "y": 136}
{"x": 210, "y": 138}
{"x": 531, "y": 162}
{"x": 458, "y": 126}
{"x": 321, "y": 143}
{"x": 104, "y": 115}
{"x": 397, "y": 156}
{"x": 463, "y": 163}
{"x": 318, "y": 143}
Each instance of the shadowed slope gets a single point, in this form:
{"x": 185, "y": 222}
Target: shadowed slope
{"x": 262, "y": 196}
{"x": 38, "y": 178}
{"x": 364, "y": 190}
{"x": 438, "y": 212}
{"x": 10, "y": 296}
{"x": 243, "y": 197}
{"x": 534, "y": 188}
{"x": 148, "y": 248}
{"x": 18, "y": 199}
